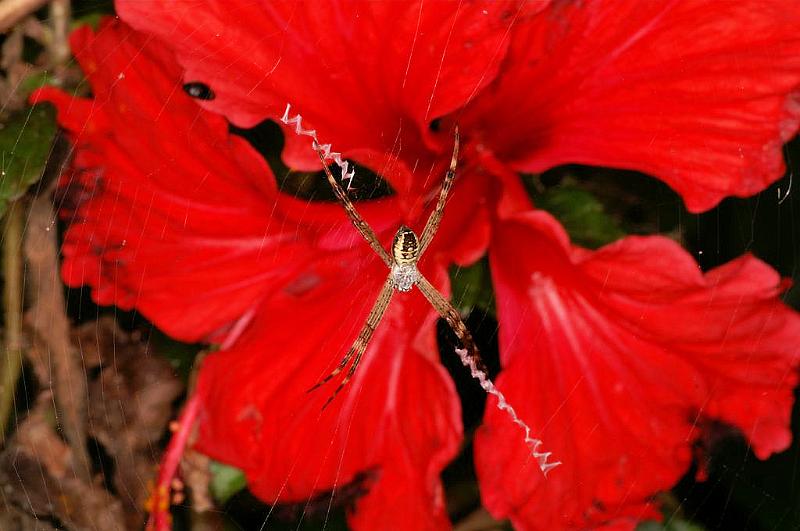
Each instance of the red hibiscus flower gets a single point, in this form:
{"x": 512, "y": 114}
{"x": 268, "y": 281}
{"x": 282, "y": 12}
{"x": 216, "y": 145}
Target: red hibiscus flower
{"x": 616, "y": 357}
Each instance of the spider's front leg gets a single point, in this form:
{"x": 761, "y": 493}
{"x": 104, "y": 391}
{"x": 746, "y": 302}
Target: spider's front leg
{"x": 350, "y": 209}
{"x": 435, "y": 218}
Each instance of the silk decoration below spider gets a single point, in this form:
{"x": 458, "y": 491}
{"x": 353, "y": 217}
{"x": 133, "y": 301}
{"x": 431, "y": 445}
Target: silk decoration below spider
{"x": 406, "y": 251}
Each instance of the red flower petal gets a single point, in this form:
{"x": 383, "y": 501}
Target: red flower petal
{"x": 615, "y": 358}
{"x": 699, "y": 93}
{"x": 395, "y": 426}
{"x": 369, "y": 76}
{"x": 173, "y": 211}
{"x": 190, "y": 230}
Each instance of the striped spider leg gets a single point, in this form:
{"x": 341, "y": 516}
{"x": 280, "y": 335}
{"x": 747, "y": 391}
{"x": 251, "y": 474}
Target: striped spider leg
{"x": 406, "y": 252}
{"x": 361, "y": 342}
{"x": 436, "y": 216}
{"x": 358, "y": 222}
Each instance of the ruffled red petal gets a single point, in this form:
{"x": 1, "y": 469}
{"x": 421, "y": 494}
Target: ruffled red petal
{"x": 699, "y": 93}
{"x": 368, "y": 76}
{"x": 616, "y": 358}
{"x": 181, "y": 220}
{"x": 392, "y": 429}
{"x": 169, "y": 213}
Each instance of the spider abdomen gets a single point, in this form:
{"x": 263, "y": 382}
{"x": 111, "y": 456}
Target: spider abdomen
{"x": 405, "y": 248}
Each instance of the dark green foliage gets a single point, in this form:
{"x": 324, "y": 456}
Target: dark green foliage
{"x": 25, "y": 141}
{"x": 581, "y": 214}
{"x": 225, "y": 481}
{"x": 471, "y": 287}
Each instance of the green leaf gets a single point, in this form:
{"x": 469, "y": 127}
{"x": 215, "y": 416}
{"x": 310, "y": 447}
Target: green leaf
{"x": 582, "y": 215}
{"x": 35, "y": 81}
{"x": 225, "y": 481}
{"x": 472, "y": 287}
{"x": 25, "y": 141}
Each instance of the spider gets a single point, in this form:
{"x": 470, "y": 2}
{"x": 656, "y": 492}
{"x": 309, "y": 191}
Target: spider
{"x": 406, "y": 251}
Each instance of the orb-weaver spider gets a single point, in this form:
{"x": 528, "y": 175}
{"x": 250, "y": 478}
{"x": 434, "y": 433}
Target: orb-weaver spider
{"x": 406, "y": 251}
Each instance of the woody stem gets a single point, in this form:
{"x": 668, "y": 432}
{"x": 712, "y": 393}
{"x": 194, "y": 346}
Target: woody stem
{"x": 12, "y": 308}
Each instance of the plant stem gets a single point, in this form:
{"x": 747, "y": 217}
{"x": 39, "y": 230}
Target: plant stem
{"x": 12, "y": 306}
{"x": 60, "y": 17}
{"x": 160, "y": 499}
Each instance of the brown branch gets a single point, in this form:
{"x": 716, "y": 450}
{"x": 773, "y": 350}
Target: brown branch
{"x": 49, "y": 321}
{"x": 60, "y": 15}
{"x": 12, "y": 306}
{"x": 12, "y": 11}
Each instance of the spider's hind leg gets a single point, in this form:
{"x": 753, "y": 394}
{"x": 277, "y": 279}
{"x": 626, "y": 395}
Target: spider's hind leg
{"x": 339, "y": 368}
{"x": 361, "y": 342}
{"x": 450, "y": 314}
{"x": 347, "y": 377}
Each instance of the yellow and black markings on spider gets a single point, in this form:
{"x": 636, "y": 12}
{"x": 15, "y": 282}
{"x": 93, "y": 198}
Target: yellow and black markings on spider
{"x": 406, "y": 252}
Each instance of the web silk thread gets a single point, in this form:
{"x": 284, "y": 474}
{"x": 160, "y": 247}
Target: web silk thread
{"x": 347, "y": 172}
{"x": 503, "y": 405}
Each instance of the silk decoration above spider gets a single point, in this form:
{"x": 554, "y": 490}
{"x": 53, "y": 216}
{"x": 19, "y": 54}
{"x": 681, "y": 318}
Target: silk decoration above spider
{"x": 406, "y": 251}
